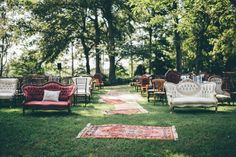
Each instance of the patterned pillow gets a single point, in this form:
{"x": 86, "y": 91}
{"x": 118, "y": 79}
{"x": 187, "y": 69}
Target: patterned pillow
{"x": 51, "y": 95}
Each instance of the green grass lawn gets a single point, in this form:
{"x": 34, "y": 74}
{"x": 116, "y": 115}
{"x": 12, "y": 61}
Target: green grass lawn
{"x": 201, "y": 132}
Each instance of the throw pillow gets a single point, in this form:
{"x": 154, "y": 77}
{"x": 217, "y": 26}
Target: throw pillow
{"x": 51, "y": 95}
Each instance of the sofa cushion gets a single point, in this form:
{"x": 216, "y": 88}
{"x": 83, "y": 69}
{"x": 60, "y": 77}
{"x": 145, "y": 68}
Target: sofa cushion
{"x": 6, "y": 95}
{"x": 46, "y": 103}
{"x": 51, "y": 95}
{"x": 193, "y": 100}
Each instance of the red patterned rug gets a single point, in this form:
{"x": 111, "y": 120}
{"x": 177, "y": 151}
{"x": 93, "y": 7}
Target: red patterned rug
{"x": 128, "y": 132}
{"x": 127, "y": 111}
{"x": 113, "y": 101}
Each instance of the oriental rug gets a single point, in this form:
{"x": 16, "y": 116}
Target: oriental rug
{"x": 113, "y": 101}
{"x": 129, "y": 132}
{"x": 127, "y": 111}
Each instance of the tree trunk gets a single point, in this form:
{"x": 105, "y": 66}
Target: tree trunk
{"x": 112, "y": 70}
{"x": 150, "y": 50}
{"x": 85, "y": 47}
{"x": 178, "y": 51}
{"x": 111, "y": 41}
{"x": 177, "y": 42}
{"x": 97, "y": 40}
{"x": 86, "y": 53}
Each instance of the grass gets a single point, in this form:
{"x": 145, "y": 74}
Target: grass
{"x": 202, "y": 133}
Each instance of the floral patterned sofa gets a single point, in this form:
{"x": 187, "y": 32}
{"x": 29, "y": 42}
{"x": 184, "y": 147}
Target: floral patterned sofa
{"x": 34, "y": 95}
{"x": 190, "y": 94}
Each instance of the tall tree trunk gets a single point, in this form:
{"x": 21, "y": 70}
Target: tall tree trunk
{"x": 111, "y": 41}
{"x": 199, "y": 63}
{"x": 86, "y": 53}
{"x": 150, "y": 50}
{"x": 85, "y": 47}
{"x": 178, "y": 51}
{"x": 112, "y": 70}
{"x": 177, "y": 42}
{"x": 97, "y": 40}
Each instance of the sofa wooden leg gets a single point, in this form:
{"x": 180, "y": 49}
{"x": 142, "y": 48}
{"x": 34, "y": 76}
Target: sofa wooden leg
{"x": 69, "y": 110}
{"x": 216, "y": 109}
{"x": 23, "y": 111}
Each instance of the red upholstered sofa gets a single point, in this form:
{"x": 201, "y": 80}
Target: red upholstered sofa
{"x": 34, "y": 96}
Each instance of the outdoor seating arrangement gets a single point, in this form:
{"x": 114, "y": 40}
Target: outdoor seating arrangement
{"x": 172, "y": 76}
{"x": 221, "y": 95}
{"x": 190, "y": 94}
{"x": 83, "y": 88}
{"x": 8, "y": 88}
{"x": 158, "y": 90}
{"x": 98, "y": 80}
{"x": 50, "y": 96}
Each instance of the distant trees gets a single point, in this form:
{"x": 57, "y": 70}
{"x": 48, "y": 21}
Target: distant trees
{"x": 187, "y": 35}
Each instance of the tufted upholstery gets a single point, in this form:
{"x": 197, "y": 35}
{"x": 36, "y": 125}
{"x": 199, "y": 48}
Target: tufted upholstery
{"x": 189, "y": 94}
{"x": 8, "y": 88}
{"x": 34, "y": 95}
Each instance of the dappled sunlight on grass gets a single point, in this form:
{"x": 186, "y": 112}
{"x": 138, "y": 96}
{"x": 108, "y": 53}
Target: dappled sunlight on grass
{"x": 93, "y": 110}
{"x": 9, "y": 110}
{"x": 202, "y": 132}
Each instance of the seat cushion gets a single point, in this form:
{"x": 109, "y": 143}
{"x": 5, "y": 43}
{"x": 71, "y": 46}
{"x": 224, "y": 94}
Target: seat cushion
{"x": 193, "y": 100}
{"x": 222, "y": 96}
{"x": 82, "y": 92}
{"x": 47, "y": 104}
{"x": 6, "y": 95}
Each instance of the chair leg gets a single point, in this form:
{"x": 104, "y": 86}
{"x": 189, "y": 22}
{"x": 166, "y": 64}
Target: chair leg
{"x": 155, "y": 98}
{"x": 69, "y": 110}
{"x": 23, "y": 111}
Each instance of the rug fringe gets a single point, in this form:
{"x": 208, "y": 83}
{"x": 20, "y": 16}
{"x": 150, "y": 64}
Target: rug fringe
{"x": 85, "y": 129}
{"x": 175, "y": 133}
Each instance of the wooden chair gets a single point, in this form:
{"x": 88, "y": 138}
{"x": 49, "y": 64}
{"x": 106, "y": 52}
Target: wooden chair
{"x": 173, "y": 76}
{"x": 159, "y": 91}
{"x": 144, "y": 84}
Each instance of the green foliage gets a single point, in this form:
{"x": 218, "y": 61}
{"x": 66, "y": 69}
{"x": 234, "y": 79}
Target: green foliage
{"x": 28, "y": 63}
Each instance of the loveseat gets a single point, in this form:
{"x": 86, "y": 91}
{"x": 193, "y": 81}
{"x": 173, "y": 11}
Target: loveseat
{"x": 190, "y": 94}
{"x": 35, "y": 95}
{"x": 8, "y": 88}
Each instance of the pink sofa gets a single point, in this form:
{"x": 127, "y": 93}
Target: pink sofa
{"x": 34, "y": 96}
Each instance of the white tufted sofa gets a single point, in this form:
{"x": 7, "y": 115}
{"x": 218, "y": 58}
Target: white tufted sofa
{"x": 190, "y": 94}
{"x": 8, "y": 87}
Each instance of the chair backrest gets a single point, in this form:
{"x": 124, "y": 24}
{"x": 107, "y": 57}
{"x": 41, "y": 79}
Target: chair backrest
{"x": 8, "y": 85}
{"x": 158, "y": 84}
{"x": 81, "y": 83}
{"x": 144, "y": 81}
{"x": 188, "y": 88}
{"x": 98, "y": 77}
{"x": 36, "y": 92}
{"x": 218, "y": 80}
{"x": 173, "y": 76}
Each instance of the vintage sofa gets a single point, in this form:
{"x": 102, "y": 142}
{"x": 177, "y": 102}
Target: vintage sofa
{"x": 8, "y": 88}
{"x": 190, "y": 94}
{"x": 34, "y": 96}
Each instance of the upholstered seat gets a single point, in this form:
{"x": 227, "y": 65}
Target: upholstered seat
{"x": 34, "y": 96}
{"x": 83, "y": 87}
{"x": 8, "y": 88}
{"x": 220, "y": 94}
{"x": 193, "y": 100}
{"x": 190, "y": 94}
